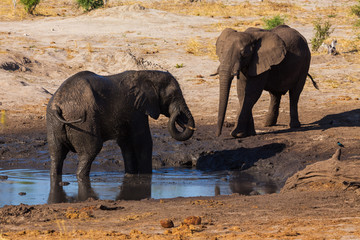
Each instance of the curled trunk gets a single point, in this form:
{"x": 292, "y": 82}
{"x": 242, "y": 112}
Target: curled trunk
{"x": 185, "y": 120}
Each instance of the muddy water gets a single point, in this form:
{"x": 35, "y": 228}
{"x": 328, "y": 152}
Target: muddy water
{"x": 34, "y": 186}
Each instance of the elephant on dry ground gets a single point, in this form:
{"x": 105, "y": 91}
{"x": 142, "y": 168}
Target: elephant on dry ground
{"x": 89, "y": 109}
{"x": 274, "y": 60}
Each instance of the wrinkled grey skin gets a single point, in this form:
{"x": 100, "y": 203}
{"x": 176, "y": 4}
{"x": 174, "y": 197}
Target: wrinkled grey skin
{"x": 274, "y": 60}
{"x": 89, "y": 109}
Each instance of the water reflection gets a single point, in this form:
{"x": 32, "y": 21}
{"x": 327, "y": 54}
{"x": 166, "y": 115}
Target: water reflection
{"x": 134, "y": 187}
{"x": 57, "y": 193}
{"x": 251, "y": 184}
{"x": 163, "y": 183}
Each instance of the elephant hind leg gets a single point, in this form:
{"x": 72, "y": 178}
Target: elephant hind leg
{"x": 273, "y": 111}
{"x": 294, "y": 95}
{"x": 84, "y": 167}
{"x": 58, "y": 154}
{"x": 86, "y": 154}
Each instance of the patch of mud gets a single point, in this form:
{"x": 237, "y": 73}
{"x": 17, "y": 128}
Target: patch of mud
{"x": 15, "y": 61}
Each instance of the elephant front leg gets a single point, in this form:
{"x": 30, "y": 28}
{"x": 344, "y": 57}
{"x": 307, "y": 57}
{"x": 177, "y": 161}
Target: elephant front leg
{"x": 249, "y": 91}
{"x": 137, "y": 146}
{"x": 273, "y": 112}
{"x": 129, "y": 155}
{"x": 137, "y": 154}
{"x": 244, "y": 128}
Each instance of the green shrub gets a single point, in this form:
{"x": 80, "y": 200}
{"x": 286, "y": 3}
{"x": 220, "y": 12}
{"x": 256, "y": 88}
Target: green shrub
{"x": 322, "y": 32}
{"x": 356, "y": 9}
{"x": 30, "y": 5}
{"x": 90, "y": 4}
{"x": 270, "y": 23}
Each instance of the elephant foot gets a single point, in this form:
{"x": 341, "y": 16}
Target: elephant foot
{"x": 242, "y": 134}
{"x": 270, "y": 121}
{"x": 269, "y": 124}
{"x": 295, "y": 124}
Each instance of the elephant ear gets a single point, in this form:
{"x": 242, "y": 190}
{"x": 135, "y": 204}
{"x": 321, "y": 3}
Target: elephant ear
{"x": 146, "y": 98}
{"x": 269, "y": 50}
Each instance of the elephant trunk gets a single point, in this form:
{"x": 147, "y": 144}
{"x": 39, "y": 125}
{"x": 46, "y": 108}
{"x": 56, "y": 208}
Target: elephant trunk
{"x": 225, "y": 83}
{"x": 185, "y": 120}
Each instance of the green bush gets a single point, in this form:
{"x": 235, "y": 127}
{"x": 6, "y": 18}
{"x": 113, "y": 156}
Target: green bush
{"x": 322, "y": 32}
{"x": 356, "y": 9}
{"x": 90, "y": 4}
{"x": 30, "y": 5}
{"x": 270, "y": 23}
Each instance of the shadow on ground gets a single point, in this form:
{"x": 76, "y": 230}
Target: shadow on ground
{"x": 241, "y": 158}
{"x": 344, "y": 119}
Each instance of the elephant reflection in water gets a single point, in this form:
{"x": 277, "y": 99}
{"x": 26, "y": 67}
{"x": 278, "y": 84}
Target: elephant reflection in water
{"x": 248, "y": 184}
{"x": 134, "y": 187}
{"x": 58, "y": 195}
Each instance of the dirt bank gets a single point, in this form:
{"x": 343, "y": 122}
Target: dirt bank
{"x": 41, "y": 52}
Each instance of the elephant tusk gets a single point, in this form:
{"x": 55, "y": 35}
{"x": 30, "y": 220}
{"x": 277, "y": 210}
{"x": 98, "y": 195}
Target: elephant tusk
{"x": 191, "y": 128}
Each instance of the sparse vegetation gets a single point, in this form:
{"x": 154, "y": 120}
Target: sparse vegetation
{"x": 89, "y": 5}
{"x": 322, "y": 32}
{"x": 29, "y": 5}
{"x": 356, "y": 11}
{"x": 193, "y": 46}
{"x": 270, "y": 23}
{"x": 201, "y": 47}
{"x": 181, "y": 65}
{"x": 219, "y": 9}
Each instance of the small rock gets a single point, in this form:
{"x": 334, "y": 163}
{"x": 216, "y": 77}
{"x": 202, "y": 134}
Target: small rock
{"x": 192, "y": 220}
{"x": 3, "y": 177}
{"x": 254, "y": 193}
{"x": 166, "y": 223}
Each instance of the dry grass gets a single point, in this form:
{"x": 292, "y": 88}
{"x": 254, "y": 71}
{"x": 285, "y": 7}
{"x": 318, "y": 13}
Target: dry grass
{"x": 46, "y": 8}
{"x": 201, "y": 47}
{"x": 203, "y": 8}
{"x": 218, "y": 9}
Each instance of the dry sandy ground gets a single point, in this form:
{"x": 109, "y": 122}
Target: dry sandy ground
{"x": 42, "y": 52}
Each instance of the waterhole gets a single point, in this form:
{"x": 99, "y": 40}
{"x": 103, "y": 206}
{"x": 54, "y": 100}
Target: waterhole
{"x": 29, "y": 186}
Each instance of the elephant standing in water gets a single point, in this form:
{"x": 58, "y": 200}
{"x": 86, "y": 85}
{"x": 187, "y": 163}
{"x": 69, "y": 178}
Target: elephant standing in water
{"x": 89, "y": 109}
{"x": 274, "y": 60}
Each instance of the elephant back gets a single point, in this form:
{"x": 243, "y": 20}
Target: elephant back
{"x": 294, "y": 41}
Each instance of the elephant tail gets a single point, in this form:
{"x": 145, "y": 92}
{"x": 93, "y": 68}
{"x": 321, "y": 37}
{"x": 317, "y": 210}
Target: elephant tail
{"x": 313, "y": 82}
{"x": 61, "y": 119}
